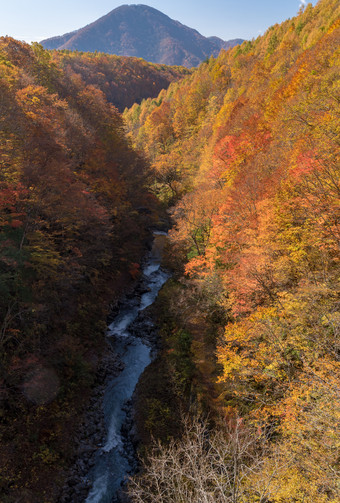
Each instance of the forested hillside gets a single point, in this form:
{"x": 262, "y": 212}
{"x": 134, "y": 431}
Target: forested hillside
{"x": 246, "y": 149}
{"x": 72, "y": 234}
{"x": 123, "y": 80}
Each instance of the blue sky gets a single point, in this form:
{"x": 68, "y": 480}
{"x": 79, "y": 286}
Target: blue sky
{"x": 33, "y": 20}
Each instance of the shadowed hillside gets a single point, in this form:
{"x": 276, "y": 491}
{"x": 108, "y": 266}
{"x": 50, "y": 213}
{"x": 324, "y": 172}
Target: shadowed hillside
{"x": 123, "y": 80}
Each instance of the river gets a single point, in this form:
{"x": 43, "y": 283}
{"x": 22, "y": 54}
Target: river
{"x": 113, "y": 462}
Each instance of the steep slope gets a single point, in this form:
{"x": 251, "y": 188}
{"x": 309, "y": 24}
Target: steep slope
{"x": 71, "y": 237}
{"x": 247, "y": 149}
{"x": 144, "y": 32}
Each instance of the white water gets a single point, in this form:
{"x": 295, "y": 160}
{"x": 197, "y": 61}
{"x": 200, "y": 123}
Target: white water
{"x": 112, "y": 465}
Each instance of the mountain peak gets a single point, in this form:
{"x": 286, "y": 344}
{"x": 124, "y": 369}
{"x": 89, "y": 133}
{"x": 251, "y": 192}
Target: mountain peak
{"x": 142, "y": 31}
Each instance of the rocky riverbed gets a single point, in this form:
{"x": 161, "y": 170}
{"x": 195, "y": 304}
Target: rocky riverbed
{"x": 107, "y": 437}
{"x": 90, "y": 437}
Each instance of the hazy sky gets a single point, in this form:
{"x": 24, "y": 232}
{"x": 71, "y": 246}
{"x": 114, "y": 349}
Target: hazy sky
{"x": 33, "y": 20}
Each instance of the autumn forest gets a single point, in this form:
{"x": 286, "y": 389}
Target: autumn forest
{"x": 239, "y": 160}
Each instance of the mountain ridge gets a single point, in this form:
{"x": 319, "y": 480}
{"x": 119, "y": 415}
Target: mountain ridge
{"x": 142, "y": 31}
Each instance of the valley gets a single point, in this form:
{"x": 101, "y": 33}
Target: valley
{"x": 169, "y": 265}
